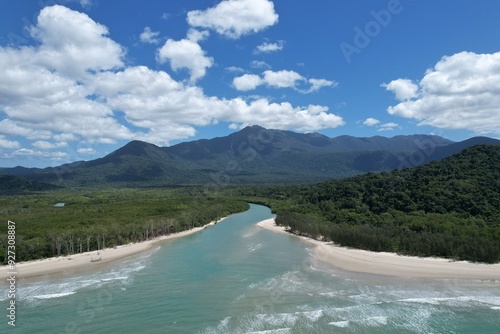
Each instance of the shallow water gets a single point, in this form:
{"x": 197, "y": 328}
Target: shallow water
{"x": 237, "y": 278}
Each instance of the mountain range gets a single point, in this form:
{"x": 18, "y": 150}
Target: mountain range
{"x": 251, "y": 155}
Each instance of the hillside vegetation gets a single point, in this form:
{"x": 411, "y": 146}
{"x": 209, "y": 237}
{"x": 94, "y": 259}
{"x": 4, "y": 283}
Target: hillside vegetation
{"x": 10, "y": 184}
{"x": 449, "y": 208}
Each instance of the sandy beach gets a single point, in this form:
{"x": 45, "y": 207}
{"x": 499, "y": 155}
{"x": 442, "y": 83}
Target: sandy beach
{"x": 392, "y": 264}
{"x": 86, "y": 260}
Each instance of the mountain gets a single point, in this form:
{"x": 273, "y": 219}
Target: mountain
{"x": 251, "y": 155}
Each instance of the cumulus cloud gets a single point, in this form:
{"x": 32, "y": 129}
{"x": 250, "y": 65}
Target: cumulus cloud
{"x": 317, "y": 84}
{"x": 148, "y": 36}
{"x": 462, "y": 91}
{"x": 235, "y": 18}
{"x": 279, "y": 115}
{"x": 371, "y": 122}
{"x": 281, "y": 79}
{"x": 188, "y": 54}
{"x": 403, "y": 89}
{"x": 169, "y": 110}
{"x": 247, "y": 82}
{"x": 72, "y": 43}
{"x": 270, "y": 47}
{"x": 9, "y": 144}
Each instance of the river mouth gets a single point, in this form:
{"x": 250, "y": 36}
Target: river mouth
{"x": 238, "y": 278}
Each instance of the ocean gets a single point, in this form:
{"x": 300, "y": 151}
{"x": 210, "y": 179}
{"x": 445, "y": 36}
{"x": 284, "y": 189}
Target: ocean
{"x": 235, "y": 277}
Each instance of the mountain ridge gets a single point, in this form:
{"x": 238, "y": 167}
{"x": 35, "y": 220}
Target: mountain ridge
{"x": 251, "y": 155}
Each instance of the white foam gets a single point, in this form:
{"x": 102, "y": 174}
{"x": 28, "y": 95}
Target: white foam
{"x": 280, "y": 319}
{"x": 376, "y": 321}
{"x": 114, "y": 279}
{"x": 39, "y": 291}
{"x": 460, "y": 300}
{"x": 329, "y": 294}
{"x": 273, "y": 331}
{"x": 54, "y": 295}
{"x": 313, "y": 315}
{"x": 253, "y": 248}
{"x": 432, "y": 301}
{"x": 223, "y": 324}
{"x": 497, "y": 308}
{"x": 341, "y": 324}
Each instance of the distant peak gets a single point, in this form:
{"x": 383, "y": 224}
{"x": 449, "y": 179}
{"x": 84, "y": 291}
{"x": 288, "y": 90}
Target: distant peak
{"x": 253, "y": 127}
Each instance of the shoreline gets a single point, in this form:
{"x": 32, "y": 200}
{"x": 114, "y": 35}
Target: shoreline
{"x": 60, "y": 264}
{"x": 391, "y": 264}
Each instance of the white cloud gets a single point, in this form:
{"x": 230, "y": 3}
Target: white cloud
{"x": 169, "y": 110}
{"x": 149, "y": 36}
{"x": 235, "y": 69}
{"x": 317, "y": 84}
{"x": 371, "y": 122}
{"x": 56, "y": 156}
{"x": 42, "y": 89}
{"x": 187, "y": 53}
{"x": 45, "y": 145}
{"x": 235, "y": 18}
{"x": 259, "y": 64}
{"x": 462, "y": 91}
{"x": 387, "y": 127}
{"x": 247, "y": 82}
{"x": 9, "y": 144}
{"x": 282, "y": 115}
{"x": 281, "y": 79}
{"x": 270, "y": 47}
{"x": 72, "y": 43}
{"x": 404, "y": 89}
{"x": 86, "y": 151}
{"x": 86, "y": 3}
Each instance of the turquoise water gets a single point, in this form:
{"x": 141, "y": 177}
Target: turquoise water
{"x": 237, "y": 278}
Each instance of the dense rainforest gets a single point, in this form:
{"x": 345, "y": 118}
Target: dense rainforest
{"x": 93, "y": 219}
{"x": 449, "y": 208}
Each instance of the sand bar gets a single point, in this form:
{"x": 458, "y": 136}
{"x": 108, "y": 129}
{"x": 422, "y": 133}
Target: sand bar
{"x": 87, "y": 260}
{"x": 384, "y": 263}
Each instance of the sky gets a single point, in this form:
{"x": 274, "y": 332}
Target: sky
{"x": 81, "y": 78}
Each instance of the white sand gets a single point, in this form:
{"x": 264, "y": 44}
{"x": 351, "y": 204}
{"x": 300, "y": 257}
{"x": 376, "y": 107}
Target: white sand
{"x": 392, "y": 264}
{"x": 83, "y": 260}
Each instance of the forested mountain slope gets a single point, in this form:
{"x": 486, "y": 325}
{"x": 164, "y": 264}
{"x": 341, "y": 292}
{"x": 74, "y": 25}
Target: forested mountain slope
{"x": 449, "y": 208}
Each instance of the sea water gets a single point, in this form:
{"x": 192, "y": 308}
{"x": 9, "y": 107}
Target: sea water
{"x": 238, "y": 278}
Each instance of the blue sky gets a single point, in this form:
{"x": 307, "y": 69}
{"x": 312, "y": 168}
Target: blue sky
{"x": 80, "y": 78}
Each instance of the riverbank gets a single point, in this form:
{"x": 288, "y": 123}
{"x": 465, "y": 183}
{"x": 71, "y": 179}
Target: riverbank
{"x": 61, "y": 264}
{"x": 384, "y": 263}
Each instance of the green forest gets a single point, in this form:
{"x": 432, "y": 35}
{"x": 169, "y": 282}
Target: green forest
{"x": 93, "y": 219}
{"x": 449, "y": 208}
